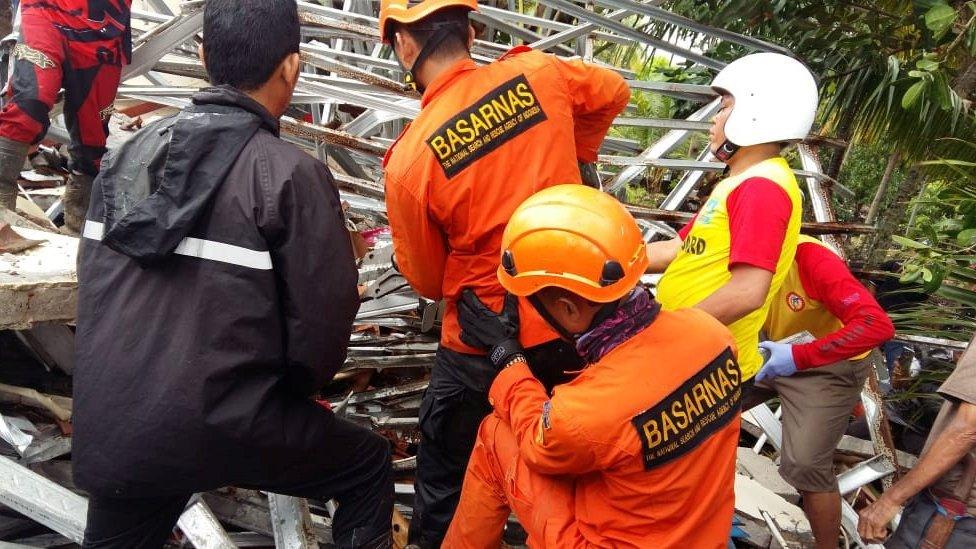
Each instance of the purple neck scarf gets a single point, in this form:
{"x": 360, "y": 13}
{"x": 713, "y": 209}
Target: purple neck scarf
{"x": 631, "y": 317}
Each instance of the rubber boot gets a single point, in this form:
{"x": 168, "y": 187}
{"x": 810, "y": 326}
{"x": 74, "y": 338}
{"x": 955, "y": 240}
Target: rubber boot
{"x": 76, "y": 196}
{"x": 12, "y": 157}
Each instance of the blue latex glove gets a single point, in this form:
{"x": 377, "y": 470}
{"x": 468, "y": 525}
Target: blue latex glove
{"x": 779, "y": 363}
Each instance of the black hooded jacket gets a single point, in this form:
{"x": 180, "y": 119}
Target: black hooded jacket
{"x": 217, "y": 290}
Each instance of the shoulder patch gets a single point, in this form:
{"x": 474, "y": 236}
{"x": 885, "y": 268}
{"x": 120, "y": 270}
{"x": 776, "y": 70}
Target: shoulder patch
{"x": 795, "y": 302}
{"x": 501, "y": 115}
{"x": 693, "y": 412}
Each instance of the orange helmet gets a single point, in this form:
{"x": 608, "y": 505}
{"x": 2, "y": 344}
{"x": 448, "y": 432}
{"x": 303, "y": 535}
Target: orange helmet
{"x": 576, "y": 238}
{"x": 401, "y": 11}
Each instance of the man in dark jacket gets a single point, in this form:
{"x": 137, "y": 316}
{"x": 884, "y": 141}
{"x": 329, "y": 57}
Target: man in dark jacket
{"x": 217, "y": 293}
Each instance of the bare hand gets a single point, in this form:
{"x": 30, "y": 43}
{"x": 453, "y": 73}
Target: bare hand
{"x": 873, "y": 520}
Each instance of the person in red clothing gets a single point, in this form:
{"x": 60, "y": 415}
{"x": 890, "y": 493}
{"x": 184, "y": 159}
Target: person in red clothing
{"x": 486, "y": 138}
{"x": 636, "y": 451}
{"x": 819, "y": 381}
{"x": 80, "y": 45}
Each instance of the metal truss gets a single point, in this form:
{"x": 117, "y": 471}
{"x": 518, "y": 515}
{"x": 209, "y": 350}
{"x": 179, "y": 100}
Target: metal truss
{"x": 350, "y": 88}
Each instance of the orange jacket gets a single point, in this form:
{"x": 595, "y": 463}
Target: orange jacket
{"x": 485, "y": 140}
{"x": 649, "y": 432}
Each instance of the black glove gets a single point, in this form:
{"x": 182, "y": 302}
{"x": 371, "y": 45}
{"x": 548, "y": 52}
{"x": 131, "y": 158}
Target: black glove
{"x": 485, "y": 329}
{"x": 589, "y": 175}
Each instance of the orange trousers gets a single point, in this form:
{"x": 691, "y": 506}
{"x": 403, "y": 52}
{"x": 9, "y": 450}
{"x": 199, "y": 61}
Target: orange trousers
{"x": 498, "y": 482}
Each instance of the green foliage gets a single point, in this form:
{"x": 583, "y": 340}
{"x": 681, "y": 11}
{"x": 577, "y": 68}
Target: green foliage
{"x": 639, "y": 196}
{"x": 863, "y": 169}
{"x": 648, "y": 105}
{"x": 887, "y": 68}
{"x": 940, "y": 251}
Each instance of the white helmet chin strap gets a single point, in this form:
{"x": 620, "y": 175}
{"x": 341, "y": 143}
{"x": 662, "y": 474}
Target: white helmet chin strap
{"x": 726, "y": 150}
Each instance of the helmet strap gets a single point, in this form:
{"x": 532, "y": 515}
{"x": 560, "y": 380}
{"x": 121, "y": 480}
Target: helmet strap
{"x": 605, "y": 312}
{"x": 544, "y": 313}
{"x": 726, "y": 150}
{"x": 410, "y": 75}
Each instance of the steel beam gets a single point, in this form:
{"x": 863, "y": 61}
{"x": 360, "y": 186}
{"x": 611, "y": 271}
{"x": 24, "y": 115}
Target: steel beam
{"x": 879, "y": 427}
{"x": 513, "y": 30}
{"x": 669, "y": 163}
{"x": 668, "y": 123}
{"x": 358, "y": 98}
{"x": 202, "y": 528}
{"x": 582, "y": 30}
{"x": 692, "y": 92}
{"x": 162, "y": 40}
{"x": 864, "y": 473}
{"x": 584, "y": 14}
{"x": 662, "y": 147}
{"x": 42, "y": 500}
{"x": 377, "y": 62}
{"x": 823, "y": 211}
{"x": 665, "y": 16}
{"x": 686, "y": 184}
{"x": 317, "y": 59}
{"x": 934, "y": 341}
{"x": 510, "y": 16}
{"x": 763, "y": 416}
{"x": 291, "y": 522}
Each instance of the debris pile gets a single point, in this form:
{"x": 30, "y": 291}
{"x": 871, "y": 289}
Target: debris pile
{"x": 348, "y": 108}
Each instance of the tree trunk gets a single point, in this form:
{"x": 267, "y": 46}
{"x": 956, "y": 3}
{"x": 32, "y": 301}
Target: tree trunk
{"x": 840, "y": 153}
{"x": 883, "y": 187}
{"x": 882, "y": 190}
{"x": 891, "y": 220}
{"x": 916, "y": 202}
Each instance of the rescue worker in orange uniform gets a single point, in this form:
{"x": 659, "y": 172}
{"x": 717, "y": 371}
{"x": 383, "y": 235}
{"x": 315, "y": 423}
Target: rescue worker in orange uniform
{"x": 732, "y": 258}
{"x": 486, "y": 139}
{"x": 818, "y": 381}
{"x": 639, "y": 449}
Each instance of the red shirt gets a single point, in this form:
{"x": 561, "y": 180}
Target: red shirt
{"x": 826, "y": 278}
{"x": 759, "y": 213}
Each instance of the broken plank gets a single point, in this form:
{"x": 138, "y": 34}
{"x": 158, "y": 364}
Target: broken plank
{"x": 39, "y": 284}
{"x": 864, "y": 448}
{"x": 752, "y": 498}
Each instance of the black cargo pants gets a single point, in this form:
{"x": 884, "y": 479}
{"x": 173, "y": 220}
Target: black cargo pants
{"x": 455, "y": 403}
{"x": 358, "y": 474}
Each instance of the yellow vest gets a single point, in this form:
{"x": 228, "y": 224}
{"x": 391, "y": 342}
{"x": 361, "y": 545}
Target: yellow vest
{"x": 702, "y": 264}
{"x": 793, "y": 311}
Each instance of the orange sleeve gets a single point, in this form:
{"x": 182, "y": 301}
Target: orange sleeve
{"x": 598, "y": 96}
{"x": 419, "y": 246}
{"x": 550, "y": 439}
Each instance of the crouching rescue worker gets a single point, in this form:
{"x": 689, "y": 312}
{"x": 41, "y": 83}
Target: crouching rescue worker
{"x": 636, "y": 451}
{"x": 732, "y": 258}
{"x": 940, "y": 491}
{"x": 217, "y": 294}
{"x": 819, "y": 381}
{"x": 80, "y": 45}
{"x": 485, "y": 140}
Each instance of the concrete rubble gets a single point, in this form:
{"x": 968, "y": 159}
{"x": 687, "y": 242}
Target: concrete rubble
{"x": 348, "y": 108}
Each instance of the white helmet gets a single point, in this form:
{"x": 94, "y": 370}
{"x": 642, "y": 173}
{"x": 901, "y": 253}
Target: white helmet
{"x": 775, "y": 99}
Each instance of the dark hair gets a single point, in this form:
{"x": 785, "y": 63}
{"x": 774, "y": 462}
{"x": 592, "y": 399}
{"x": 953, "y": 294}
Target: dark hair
{"x": 456, "y": 19}
{"x": 244, "y": 41}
